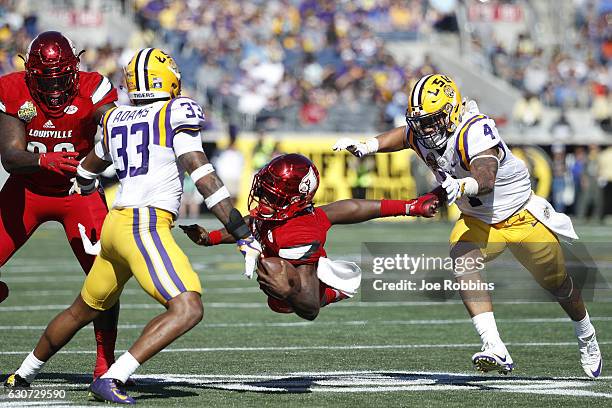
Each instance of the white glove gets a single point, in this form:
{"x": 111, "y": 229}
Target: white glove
{"x": 90, "y": 248}
{"x": 457, "y": 188}
{"x": 77, "y": 188}
{"x": 251, "y": 249}
{"x": 356, "y": 148}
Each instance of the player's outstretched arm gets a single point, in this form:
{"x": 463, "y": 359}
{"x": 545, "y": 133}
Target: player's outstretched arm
{"x": 390, "y": 141}
{"x": 217, "y": 199}
{"x": 17, "y": 160}
{"x": 201, "y": 236}
{"x": 353, "y": 211}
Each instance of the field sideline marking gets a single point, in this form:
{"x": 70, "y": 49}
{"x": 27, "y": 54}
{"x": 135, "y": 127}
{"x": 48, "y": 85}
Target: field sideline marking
{"x": 341, "y": 323}
{"x": 338, "y": 347}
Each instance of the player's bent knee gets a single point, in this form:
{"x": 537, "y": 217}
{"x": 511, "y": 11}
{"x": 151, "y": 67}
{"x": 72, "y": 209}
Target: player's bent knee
{"x": 188, "y": 306}
{"x": 82, "y": 312}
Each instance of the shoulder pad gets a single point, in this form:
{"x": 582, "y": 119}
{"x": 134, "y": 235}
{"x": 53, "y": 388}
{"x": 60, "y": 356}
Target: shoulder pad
{"x": 184, "y": 114}
{"x": 475, "y": 136}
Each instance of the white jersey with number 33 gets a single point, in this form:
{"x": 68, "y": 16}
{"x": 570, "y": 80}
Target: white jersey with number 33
{"x": 143, "y": 142}
{"x": 475, "y": 134}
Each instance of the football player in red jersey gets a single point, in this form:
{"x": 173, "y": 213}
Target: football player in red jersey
{"x": 289, "y": 226}
{"x": 49, "y": 115}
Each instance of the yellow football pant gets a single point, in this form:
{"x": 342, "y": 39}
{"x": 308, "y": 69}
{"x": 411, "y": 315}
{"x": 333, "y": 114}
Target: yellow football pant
{"x": 138, "y": 241}
{"x": 533, "y": 244}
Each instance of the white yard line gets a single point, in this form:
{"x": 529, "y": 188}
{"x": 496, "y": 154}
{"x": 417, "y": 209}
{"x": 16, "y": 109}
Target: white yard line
{"x": 430, "y": 322}
{"x": 338, "y": 347}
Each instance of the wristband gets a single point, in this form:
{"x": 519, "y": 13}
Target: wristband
{"x": 372, "y": 145}
{"x": 215, "y": 237}
{"x": 86, "y": 174}
{"x": 392, "y": 208}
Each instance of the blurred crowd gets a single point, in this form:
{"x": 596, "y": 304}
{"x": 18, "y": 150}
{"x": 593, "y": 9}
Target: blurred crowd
{"x": 574, "y": 74}
{"x": 580, "y": 177}
{"x": 293, "y": 64}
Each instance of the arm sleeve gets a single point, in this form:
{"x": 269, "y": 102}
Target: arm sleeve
{"x": 187, "y": 142}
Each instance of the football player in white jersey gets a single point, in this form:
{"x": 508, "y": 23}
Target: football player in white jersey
{"x": 492, "y": 189}
{"x": 150, "y": 145}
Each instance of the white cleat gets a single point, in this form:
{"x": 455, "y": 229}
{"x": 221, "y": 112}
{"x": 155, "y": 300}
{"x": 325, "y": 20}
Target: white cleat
{"x": 590, "y": 356}
{"x": 493, "y": 357}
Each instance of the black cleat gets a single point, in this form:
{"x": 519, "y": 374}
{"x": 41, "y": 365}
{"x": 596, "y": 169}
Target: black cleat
{"x": 15, "y": 381}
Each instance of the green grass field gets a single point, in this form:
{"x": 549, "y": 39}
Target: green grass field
{"x": 357, "y": 354}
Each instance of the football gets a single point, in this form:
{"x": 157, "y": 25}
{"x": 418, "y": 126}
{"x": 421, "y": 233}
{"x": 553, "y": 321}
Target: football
{"x": 276, "y": 266}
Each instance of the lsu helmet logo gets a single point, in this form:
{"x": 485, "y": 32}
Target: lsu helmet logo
{"x": 151, "y": 75}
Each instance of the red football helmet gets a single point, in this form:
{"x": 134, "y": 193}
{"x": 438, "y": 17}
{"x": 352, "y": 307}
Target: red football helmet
{"x": 52, "y": 71}
{"x": 283, "y": 187}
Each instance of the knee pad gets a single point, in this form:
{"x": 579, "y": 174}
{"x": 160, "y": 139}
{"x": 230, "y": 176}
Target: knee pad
{"x": 565, "y": 290}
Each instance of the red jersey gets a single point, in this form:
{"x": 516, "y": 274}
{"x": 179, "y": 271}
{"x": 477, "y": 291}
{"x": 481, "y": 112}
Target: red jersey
{"x": 75, "y": 130}
{"x": 300, "y": 239}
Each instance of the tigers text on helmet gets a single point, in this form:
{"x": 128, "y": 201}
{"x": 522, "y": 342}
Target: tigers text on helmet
{"x": 434, "y": 110}
{"x": 283, "y": 187}
{"x": 152, "y": 75}
{"x": 52, "y": 71}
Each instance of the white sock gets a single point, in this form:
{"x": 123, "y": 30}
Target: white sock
{"x": 584, "y": 328}
{"x": 30, "y": 367}
{"x": 121, "y": 370}
{"x": 484, "y": 324}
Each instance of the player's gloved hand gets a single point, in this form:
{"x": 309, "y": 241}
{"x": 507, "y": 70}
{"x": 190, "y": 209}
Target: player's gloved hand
{"x": 457, "y": 188}
{"x": 64, "y": 163}
{"x": 197, "y": 234}
{"x": 452, "y": 188}
{"x": 356, "y": 148}
{"x": 424, "y": 206}
{"x": 91, "y": 249}
{"x": 83, "y": 189}
{"x": 251, "y": 249}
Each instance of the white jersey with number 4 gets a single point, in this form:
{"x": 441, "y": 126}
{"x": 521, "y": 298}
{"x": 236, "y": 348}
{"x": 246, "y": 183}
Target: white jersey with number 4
{"x": 475, "y": 134}
{"x": 143, "y": 142}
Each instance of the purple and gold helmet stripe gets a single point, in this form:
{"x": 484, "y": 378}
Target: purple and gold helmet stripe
{"x": 417, "y": 92}
{"x": 141, "y": 70}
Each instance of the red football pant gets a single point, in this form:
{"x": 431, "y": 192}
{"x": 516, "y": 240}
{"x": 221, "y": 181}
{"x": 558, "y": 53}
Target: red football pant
{"x": 23, "y": 211}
